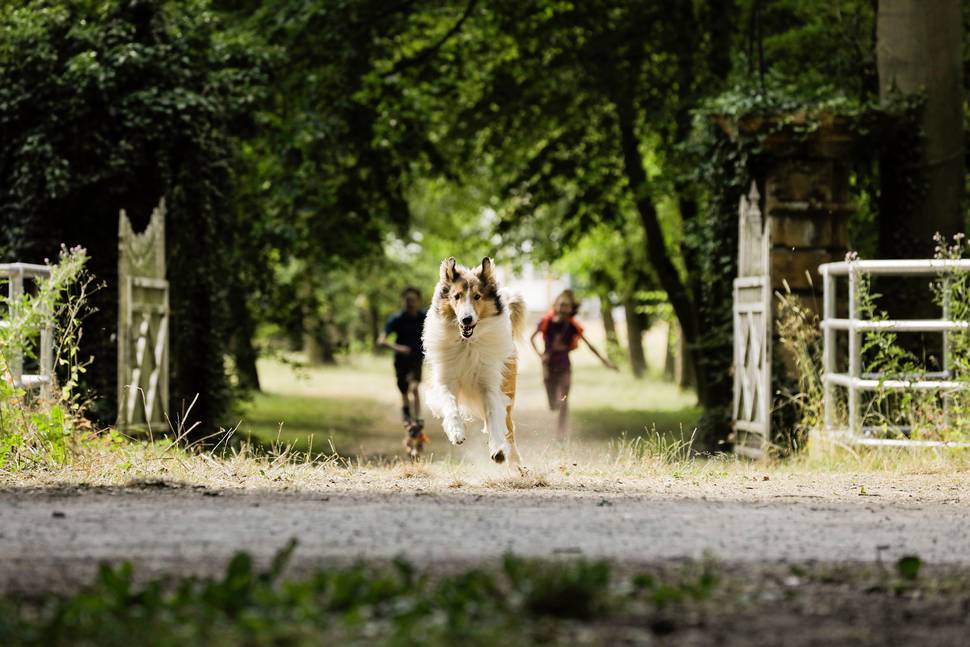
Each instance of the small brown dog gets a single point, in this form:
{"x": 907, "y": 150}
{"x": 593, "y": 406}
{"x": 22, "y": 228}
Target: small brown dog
{"x": 416, "y": 439}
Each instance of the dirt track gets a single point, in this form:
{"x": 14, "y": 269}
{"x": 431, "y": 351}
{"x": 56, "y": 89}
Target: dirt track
{"x": 54, "y": 539}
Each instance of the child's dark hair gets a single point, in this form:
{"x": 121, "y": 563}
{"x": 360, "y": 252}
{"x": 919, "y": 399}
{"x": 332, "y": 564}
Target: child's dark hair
{"x": 568, "y": 294}
{"x": 410, "y": 290}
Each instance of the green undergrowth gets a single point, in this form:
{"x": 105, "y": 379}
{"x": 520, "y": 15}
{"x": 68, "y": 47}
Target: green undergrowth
{"x": 519, "y": 602}
{"x": 41, "y": 427}
{"x": 516, "y": 601}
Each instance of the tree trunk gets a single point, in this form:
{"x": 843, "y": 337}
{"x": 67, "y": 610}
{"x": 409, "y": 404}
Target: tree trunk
{"x": 609, "y": 325}
{"x": 634, "y": 333}
{"x": 311, "y": 340}
{"x": 657, "y": 251}
{"x": 683, "y": 367}
{"x": 317, "y": 338}
{"x": 241, "y": 344}
{"x": 374, "y": 322}
{"x": 318, "y": 342}
{"x": 919, "y": 49}
{"x": 328, "y": 341}
{"x": 701, "y": 360}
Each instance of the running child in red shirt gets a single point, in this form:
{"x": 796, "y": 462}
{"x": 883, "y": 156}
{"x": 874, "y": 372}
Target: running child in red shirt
{"x": 561, "y": 334}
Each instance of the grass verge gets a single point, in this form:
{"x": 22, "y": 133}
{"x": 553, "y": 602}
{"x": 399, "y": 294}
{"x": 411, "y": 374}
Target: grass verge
{"x": 642, "y": 466}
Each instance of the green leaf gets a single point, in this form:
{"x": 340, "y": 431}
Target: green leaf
{"x": 908, "y": 567}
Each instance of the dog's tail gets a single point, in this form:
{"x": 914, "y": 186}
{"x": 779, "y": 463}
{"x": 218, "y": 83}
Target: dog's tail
{"x": 516, "y": 305}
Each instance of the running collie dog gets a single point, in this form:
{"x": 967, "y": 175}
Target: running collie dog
{"x": 469, "y": 344}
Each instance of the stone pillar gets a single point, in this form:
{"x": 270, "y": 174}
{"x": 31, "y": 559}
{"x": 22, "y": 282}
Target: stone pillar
{"x": 806, "y": 206}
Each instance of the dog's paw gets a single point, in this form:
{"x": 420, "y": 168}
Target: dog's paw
{"x": 455, "y": 430}
{"x": 500, "y": 453}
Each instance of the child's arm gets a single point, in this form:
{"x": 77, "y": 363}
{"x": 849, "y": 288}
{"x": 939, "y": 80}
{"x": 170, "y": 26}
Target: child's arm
{"x": 532, "y": 340}
{"x": 606, "y": 360}
{"x": 397, "y": 348}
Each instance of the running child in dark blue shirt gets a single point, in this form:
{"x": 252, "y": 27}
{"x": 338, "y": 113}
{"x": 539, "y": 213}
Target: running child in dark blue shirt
{"x": 407, "y": 326}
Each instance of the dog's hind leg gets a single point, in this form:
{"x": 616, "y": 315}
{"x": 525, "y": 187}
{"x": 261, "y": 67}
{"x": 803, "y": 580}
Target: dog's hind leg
{"x": 508, "y": 388}
{"x": 514, "y": 457}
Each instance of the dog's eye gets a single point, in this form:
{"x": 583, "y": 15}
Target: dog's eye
{"x": 477, "y": 297}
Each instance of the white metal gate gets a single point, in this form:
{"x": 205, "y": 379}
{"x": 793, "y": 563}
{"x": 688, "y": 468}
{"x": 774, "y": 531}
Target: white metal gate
{"x": 855, "y": 381}
{"x": 43, "y": 379}
{"x": 143, "y": 313}
{"x": 751, "y": 414}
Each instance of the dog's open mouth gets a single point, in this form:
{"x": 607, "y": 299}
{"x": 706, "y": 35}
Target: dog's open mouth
{"x": 466, "y": 331}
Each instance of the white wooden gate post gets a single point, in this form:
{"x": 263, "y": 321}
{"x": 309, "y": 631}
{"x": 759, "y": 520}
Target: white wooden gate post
{"x": 752, "y": 330}
{"x": 143, "y": 313}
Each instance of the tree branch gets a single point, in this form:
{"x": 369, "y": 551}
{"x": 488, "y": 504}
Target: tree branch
{"x": 429, "y": 51}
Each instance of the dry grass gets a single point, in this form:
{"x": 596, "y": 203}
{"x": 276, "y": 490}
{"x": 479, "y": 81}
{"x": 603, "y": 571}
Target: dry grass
{"x": 634, "y": 468}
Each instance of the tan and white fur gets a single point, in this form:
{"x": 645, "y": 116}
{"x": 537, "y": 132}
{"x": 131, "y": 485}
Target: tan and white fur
{"x": 469, "y": 343}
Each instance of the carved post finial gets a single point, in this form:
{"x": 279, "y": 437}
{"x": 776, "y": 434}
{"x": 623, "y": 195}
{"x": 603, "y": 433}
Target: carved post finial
{"x": 754, "y": 207}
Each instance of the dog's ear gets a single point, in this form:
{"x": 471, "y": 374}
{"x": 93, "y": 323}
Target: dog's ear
{"x": 448, "y": 273}
{"x": 487, "y": 273}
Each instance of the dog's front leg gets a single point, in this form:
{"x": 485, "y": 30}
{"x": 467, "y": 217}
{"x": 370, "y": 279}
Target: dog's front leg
{"x": 444, "y": 403}
{"x": 495, "y": 409}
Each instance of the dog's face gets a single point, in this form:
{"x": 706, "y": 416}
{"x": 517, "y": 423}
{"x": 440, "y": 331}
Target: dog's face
{"x": 467, "y": 296}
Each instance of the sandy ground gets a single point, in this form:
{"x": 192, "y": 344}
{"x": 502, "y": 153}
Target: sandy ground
{"x": 54, "y": 538}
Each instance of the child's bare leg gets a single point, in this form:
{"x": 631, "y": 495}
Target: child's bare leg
{"x": 550, "y": 382}
{"x": 402, "y": 386}
{"x": 562, "y": 428}
{"x": 562, "y": 396}
{"x": 415, "y": 392}
{"x": 406, "y": 411}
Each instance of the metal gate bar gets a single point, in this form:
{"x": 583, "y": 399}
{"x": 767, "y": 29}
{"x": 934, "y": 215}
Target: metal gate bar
{"x": 854, "y": 381}
{"x": 16, "y": 273}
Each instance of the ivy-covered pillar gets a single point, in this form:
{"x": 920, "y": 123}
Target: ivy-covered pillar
{"x": 797, "y": 218}
{"x": 807, "y": 203}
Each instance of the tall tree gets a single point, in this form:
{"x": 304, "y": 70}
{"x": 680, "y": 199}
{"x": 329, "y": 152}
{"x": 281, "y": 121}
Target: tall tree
{"x": 920, "y": 50}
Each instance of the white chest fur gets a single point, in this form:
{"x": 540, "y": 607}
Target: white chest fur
{"x": 472, "y": 367}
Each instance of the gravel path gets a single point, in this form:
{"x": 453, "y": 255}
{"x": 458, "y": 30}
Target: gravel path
{"x": 50, "y": 539}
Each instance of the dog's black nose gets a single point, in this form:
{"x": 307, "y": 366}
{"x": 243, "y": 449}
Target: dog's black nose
{"x": 466, "y": 321}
